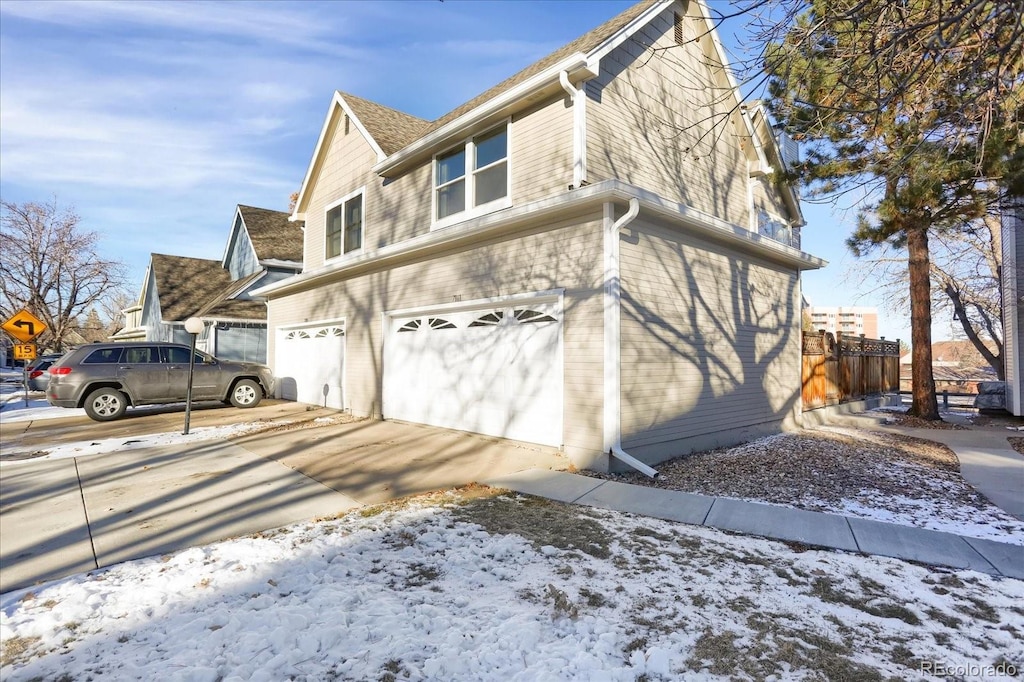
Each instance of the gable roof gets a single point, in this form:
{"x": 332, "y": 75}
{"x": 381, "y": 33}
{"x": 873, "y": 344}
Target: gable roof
{"x": 186, "y": 286}
{"x": 585, "y": 44}
{"x": 273, "y": 235}
{"x": 389, "y": 131}
{"x": 390, "y": 128}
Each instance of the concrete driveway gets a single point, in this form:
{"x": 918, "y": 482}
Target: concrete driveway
{"x": 79, "y": 514}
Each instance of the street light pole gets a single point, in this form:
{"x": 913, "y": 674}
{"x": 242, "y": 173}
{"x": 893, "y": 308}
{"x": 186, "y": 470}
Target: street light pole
{"x": 193, "y": 326}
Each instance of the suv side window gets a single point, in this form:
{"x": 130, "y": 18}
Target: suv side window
{"x": 103, "y": 356}
{"x": 179, "y": 356}
{"x": 143, "y": 355}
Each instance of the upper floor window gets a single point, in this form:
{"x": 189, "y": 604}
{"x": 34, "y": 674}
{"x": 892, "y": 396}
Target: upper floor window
{"x": 344, "y": 226}
{"x": 472, "y": 176}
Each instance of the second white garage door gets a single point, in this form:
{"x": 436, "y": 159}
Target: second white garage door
{"x": 309, "y": 364}
{"x": 495, "y": 370}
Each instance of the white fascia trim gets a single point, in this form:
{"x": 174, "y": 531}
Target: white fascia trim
{"x": 337, "y": 103}
{"x": 762, "y": 113}
{"x": 241, "y": 285}
{"x": 474, "y": 229}
{"x": 275, "y": 263}
{"x": 763, "y": 167}
{"x": 335, "y": 321}
{"x": 722, "y": 231}
{"x": 213, "y": 321}
{"x": 626, "y": 32}
{"x": 453, "y": 130}
{"x": 553, "y": 295}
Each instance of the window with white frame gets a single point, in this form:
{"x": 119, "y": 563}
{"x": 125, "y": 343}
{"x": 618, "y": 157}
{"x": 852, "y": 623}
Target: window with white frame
{"x": 344, "y": 229}
{"x": 472, "y": 176}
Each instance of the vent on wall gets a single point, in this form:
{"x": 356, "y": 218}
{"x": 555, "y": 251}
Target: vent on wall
{"x": 680, "y": 38}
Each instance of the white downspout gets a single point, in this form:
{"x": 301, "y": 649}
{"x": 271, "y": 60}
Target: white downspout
{"x": 579, "y": 129}
{"x": 613, "y": 337}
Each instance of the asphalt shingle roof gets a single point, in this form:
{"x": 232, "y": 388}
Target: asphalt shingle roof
{"x": 394, "y": 130}
{"x": 187, "y": 286}
{"x": 272, "y": 235}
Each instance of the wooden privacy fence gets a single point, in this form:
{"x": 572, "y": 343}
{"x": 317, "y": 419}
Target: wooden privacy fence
{"x": 843, "y": 368}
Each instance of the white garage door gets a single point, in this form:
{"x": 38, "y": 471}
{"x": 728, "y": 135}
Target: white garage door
{"x": 494, "y": 370}
{"x": 309, "y": 364}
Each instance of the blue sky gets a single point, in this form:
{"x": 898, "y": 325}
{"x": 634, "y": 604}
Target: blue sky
{"x": 155, "y": 119}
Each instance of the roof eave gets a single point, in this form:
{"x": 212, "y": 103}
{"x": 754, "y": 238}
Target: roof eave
{"x": 710, "y": 226}
{"x": 578, "y": 67}
{"x": 337, "y": 103}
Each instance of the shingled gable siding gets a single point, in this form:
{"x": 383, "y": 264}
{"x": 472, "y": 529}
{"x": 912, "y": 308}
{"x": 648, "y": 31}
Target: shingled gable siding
{"x": 566, "y": 254}
{"x": 710, "y": 344}
{"x": 644, "y": 122}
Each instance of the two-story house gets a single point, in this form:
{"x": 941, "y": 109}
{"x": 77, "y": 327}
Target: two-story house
{"x": 263, "y": 247}
{"x": 595, "y": 254}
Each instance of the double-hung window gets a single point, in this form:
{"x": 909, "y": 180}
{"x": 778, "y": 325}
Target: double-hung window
{"x": 472, "y": 178}
{"x": 344, "y": 227}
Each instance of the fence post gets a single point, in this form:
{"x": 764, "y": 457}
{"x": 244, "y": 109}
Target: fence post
{"x": 945, "y": 399}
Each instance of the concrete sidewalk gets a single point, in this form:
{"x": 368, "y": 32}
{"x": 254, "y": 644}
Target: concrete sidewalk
{"x": 987, "y": 460}
{"x": 71, "y": 515}
{"x": 770, "y": 521}
{"x": 66, "y": 516}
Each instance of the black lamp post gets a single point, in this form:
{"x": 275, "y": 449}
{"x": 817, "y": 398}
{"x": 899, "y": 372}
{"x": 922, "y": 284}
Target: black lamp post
{"x": 194, "y": 326}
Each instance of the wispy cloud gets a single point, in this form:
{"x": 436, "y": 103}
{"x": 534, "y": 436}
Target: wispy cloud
{"x": 156, "y": 118}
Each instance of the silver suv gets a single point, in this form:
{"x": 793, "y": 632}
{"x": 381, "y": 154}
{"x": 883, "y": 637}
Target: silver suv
{"x": 105, "y": 378}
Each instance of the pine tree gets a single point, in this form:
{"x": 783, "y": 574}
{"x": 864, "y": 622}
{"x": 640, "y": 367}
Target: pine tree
{"x": 893, "y": 112}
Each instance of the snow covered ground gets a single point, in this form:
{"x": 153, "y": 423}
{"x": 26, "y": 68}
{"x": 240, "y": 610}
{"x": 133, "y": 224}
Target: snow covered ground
{"x": 467, "y": 585}
{"x": 508, "y": 588}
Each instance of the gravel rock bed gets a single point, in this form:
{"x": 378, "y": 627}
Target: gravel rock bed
{"x": 819, "y": 469}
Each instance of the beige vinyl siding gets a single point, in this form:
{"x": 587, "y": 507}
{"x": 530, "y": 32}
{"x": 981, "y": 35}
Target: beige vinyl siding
{"x": 400, "y": 209}
{"x": 564, "y": 255}
{"x": 541, "y": 140}
{"x": 710, "y": 343}
{"x": 768, "y": 199}
{"x": 345, "y": 168}
{"x": 662, "y": 118}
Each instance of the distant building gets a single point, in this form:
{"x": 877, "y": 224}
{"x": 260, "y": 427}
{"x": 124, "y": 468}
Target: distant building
{"x": 855, "y": 320}
{"x": 957, "y": 367}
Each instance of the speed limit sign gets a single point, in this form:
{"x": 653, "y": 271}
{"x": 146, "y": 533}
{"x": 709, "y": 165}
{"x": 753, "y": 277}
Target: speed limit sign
{"x": 24, "y": 351}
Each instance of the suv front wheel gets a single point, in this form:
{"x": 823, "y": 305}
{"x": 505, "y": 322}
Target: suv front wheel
{"x": 106, "y": 404}
{"x": 246, "y": 393}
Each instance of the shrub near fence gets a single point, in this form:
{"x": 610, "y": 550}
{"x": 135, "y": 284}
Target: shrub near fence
{"x": 843, "y": 368}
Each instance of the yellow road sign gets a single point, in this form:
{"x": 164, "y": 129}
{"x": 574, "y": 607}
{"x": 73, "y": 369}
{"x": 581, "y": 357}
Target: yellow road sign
{"x": 24, "y": 326}
{"x": 24, "y": 351}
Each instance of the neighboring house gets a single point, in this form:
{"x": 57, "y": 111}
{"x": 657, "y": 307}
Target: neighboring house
{"x": 575, "y": 258}
{"x": 957, "y": 367}
{"x": 264, "y": 247}
{"x": 1013, "y": 300}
